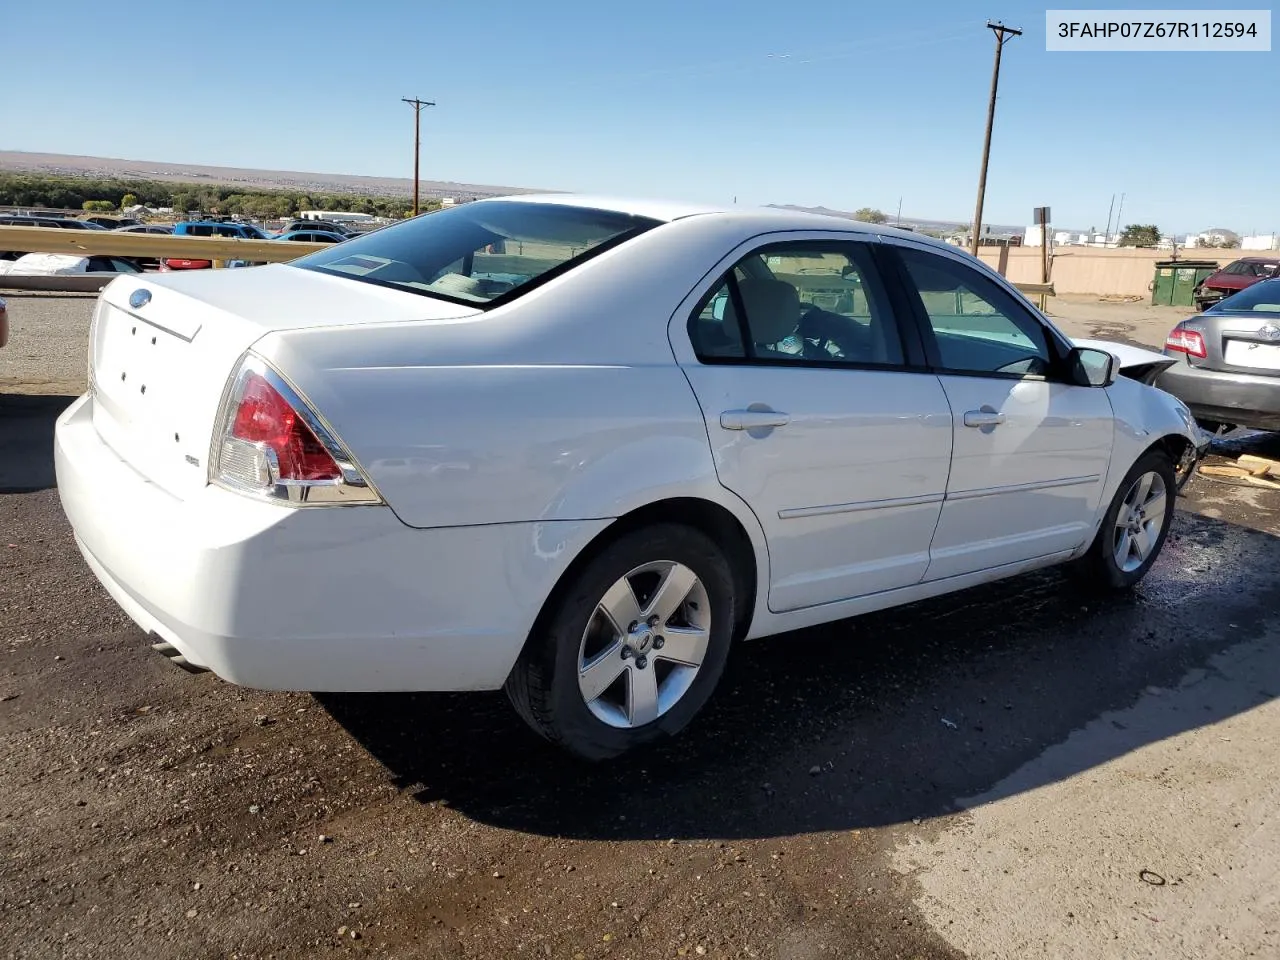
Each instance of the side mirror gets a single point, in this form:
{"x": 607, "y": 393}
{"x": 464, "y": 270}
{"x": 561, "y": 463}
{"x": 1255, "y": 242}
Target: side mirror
{"x": 1092, "y": 368}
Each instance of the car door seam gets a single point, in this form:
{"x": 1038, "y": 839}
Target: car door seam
{"x": 951, "y": 459}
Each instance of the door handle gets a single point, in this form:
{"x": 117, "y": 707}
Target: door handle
{"x": 753, "y": 419}
{"x": 983, "y": 418}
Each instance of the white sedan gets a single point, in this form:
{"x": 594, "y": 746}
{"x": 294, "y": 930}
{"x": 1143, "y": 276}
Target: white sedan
{"x": 578, "y": 448}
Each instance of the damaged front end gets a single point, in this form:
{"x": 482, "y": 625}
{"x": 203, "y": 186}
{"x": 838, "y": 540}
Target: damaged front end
{"x": 1145, "y": 366}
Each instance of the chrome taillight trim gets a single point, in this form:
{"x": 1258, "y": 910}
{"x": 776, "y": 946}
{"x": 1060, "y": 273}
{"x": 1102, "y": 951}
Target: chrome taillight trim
{"x": 354, "y": 487}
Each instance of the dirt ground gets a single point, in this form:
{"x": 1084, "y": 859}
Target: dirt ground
{"x": 1020, "y": 770}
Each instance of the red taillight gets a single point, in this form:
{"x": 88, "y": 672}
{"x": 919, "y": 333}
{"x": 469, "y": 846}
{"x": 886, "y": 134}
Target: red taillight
{"x": 264, "y": 416}
{"x": 1189, "y": 342}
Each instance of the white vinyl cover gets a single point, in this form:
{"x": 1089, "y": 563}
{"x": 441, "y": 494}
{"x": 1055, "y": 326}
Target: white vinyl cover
{"x": 44, "y": 265}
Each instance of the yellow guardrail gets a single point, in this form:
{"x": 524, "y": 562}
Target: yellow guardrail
{"x": 88, "y": 243}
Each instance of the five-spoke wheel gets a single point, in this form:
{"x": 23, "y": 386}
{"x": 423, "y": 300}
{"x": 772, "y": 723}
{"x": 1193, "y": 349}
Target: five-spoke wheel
{"x": 643, "y": 647}
{"x": 633, "y": 644}
{"x": 1140, "y": 520}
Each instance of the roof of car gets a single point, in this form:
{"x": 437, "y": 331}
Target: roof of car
{"x": 665, "y": 210}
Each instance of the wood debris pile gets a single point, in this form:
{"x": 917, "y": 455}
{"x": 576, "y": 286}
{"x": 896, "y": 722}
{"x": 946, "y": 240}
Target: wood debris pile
{"x": 1249, "y": 469}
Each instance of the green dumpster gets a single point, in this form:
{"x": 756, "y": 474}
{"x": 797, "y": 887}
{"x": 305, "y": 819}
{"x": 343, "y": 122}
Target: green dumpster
{"x": 1176, "y": 280}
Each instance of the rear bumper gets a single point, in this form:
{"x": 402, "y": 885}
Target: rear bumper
{"x": 323, "y": 599}
{"x": 1244, "y": 399}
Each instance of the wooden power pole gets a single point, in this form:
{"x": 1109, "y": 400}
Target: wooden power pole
{"x": 417, "y": 141}
{"x": 1002, "y": 33}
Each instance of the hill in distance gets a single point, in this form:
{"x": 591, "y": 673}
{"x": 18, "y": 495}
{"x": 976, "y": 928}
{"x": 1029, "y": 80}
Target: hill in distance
{"x": 55, "y": 164}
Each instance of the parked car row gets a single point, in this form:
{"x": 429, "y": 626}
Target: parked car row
{"x": 299, "y": 231}
{"x": 303, "y": 231}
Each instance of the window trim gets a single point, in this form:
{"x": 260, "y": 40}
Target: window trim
{"x": 913, "y": 355}
{"x": 1058, "y": 349}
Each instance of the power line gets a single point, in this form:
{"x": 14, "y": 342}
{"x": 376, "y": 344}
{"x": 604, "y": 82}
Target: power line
{"x": 1000, "y": 31}
{"x": 417, "y": 105}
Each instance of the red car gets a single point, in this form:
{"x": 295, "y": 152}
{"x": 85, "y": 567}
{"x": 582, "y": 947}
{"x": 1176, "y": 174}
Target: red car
{"x": 1234, "y": 277}
{"x": 176, "y": 263}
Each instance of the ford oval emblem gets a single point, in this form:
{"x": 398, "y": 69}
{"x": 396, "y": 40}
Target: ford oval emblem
{"x": 139, "y": 298}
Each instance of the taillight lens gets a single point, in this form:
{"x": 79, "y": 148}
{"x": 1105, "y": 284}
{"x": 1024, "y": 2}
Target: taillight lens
{"x": 1181, "y": 340}
{"x": 273, "y": 444}
{"x": 265, "y": 417}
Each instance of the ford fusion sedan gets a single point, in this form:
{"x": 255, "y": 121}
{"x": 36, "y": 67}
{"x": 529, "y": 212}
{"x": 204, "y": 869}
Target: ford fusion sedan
{"x": 580, "y": 448}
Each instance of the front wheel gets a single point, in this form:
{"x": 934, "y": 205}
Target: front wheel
{"x": 633, "y": 646}
{"x": 1135, "y": 526}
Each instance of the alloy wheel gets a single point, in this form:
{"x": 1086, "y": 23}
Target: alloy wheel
{"x": 644, "y": 644}
{"x": 1139, "y": 521}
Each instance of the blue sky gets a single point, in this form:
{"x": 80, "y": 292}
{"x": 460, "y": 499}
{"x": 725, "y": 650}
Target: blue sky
{"x": 844, "y": 103}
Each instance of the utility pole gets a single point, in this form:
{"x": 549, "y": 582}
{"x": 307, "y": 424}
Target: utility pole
{"x": 1002, "y": 33}
{"x": 1118, "y": 212}
{"x": 417, "y": 141}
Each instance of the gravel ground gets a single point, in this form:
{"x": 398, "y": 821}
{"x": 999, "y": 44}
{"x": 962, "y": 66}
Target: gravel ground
{"x": 48, "y": 344}
{"x": 858, "y": 790}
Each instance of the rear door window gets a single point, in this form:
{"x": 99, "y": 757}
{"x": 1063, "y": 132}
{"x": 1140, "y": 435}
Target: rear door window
{"x": 806, "y": 303}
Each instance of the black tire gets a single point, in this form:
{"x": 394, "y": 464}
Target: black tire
{"x": 1098, "y": 568}
{"x": 543, "y": 685}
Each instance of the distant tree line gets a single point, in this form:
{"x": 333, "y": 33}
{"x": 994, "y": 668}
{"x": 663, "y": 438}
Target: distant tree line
{"x": 83, "y": 193}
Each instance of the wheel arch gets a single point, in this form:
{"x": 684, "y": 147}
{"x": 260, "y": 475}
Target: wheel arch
{"x": 723, "y": 526}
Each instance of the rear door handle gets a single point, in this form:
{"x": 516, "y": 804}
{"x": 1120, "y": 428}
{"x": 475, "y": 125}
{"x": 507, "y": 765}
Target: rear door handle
{"x": 983, "y": 418}
{"x": 753, "y": 419}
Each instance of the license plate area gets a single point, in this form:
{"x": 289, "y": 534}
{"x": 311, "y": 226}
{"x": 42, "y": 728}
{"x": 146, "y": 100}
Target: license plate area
{"x": 1246, "y": 353}
{"x": 137, "y": 366}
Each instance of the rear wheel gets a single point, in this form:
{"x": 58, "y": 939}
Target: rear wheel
{"x": 632, "y": 648}
{"x": 1135, "y": 526}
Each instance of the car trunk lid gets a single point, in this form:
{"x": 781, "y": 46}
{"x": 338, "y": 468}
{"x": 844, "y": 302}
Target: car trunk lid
{"x": 1244, "y": 343}
{"x": 162, "y": 348}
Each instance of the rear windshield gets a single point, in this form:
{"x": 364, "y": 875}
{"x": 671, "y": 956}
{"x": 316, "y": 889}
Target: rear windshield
{"x": 1262, "y": 297}
{"x": 479, "y": 254}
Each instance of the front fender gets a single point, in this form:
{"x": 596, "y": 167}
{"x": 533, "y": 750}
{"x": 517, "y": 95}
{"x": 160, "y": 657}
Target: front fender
{"x": 1144, "y": 416}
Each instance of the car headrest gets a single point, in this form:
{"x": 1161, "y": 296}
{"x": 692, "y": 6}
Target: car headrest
{"x": 772, "y": 306}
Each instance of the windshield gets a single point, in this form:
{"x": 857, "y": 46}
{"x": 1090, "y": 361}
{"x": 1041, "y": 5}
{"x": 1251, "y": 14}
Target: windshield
{"x": 478, "y": 253}
{"x": 1261, "y": 297}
